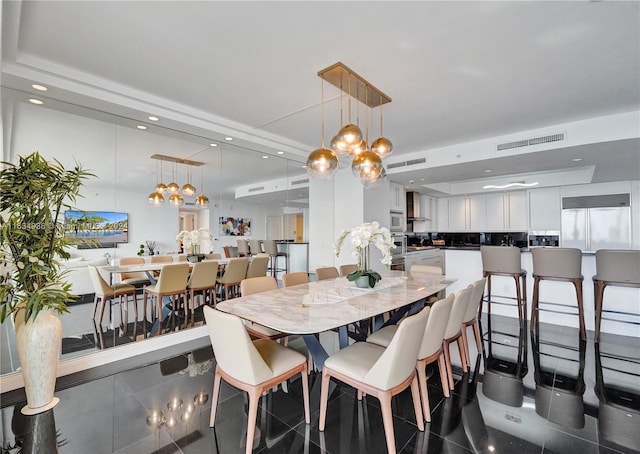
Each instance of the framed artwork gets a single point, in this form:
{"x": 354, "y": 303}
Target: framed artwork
{"x": 230, "y": 226}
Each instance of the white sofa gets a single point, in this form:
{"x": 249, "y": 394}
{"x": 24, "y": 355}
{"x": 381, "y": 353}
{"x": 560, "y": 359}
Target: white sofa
{"x": 78, "y": 274}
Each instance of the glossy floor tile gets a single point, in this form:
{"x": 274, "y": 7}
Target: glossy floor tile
{"x": 541, "y": 391}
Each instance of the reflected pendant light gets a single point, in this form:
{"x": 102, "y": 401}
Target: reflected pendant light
{"x": 382, "y": 146}
{"x": 173, "y": 187}
{"x": 156, "y": 198}
{"x": 202, "y": 200}
{"x": 350, "y": 134}
{"x": 375, "y": 183}
{"x": 322, "y": 162}
{"x": 188, "y": 188}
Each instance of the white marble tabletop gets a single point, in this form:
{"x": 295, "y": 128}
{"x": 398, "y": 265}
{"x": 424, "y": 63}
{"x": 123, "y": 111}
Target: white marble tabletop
{"x": 323, "y": 305}
{"x": 116, "y": 269}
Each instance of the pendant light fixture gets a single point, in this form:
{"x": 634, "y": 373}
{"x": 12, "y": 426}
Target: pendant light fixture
{"x": 173, "y": 187}
{"x": 350, "y": 135}
{"x": 382, "y": 146}
{"x": 161, "y": 187}
{"x": 156, "y": 198}
{"x": 188, "y": 188}
{"x": 367, "y": 165}
{"x": 202, "y": 200}
{"x": 322, "y": 162}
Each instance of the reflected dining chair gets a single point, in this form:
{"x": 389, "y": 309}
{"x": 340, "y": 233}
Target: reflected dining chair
{"x": 329, "y": 272}
{"x": 453, "y": 332}
{"x": 172, "y": 282}
{"x": 380, "y": 372}
{"x": 105, "y": 292}
{"x": 255, "y": 285}
{"x": 202, "y": 280}
{"x": 258, "y": 266}
{"x": 346, "y": 270}
{"x": 234, "y": 272}
{"x": 252, "y": 366}
{"x": 138, "y": 278}
{"x": 299, "y": 277}
{"x": 430, "y": 349}
{"x": 471, "y": 317}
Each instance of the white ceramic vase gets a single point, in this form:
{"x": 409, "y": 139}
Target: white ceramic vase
{"x": 39, "y": 342}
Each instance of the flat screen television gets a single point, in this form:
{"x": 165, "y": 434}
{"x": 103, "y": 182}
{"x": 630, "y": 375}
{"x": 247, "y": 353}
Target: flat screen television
{"x": 96, "y": 229}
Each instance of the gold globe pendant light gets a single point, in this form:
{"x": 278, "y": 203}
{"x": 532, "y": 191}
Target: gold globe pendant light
{"x": 161, "y": 187}
{"x": 188, "y": 188}
{"x": 367, "y": 165}
{"x": 176, "y": 200}
{"x": 173, "y": 187}
{"x": 376, "y": 182}
{"x": 337, "y": 144}
{"x": 202, "y": 200}
{"x": 156, "y": 198}
{"x": 350, "y": 135}
{"x": 382, "y": 146}
{"x": 322, "y": 163}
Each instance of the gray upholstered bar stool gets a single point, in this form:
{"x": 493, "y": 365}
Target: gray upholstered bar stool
{"x": 271, "y": 248}
{"x": 243, "y": 247}
{"x": 620, "y": 268}
{"x": 255, "y": 246}
{"x": 505, "y": 261}
{"x": 557, "y": 264}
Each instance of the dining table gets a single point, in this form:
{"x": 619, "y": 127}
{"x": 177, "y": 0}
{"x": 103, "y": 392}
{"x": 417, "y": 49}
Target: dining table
{"x": 335, "y": 304}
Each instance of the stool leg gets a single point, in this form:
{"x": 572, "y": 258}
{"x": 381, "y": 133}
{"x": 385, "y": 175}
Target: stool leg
{"x": 534, "y": 303}
{"x": 524, "y": 295}
{"x": 518, "y": 296}
{"x": 577, "y": 283}
{"x": 598, "y": 296}
{"x": 489, "y": 294}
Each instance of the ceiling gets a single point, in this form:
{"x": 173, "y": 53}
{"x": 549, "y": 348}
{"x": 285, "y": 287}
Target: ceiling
{"x": 457, "y": 72}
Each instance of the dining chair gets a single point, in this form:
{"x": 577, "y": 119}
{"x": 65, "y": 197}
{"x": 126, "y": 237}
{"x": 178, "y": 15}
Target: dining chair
{"x": 234, "y": 272}
{"x": 430, "y": 349}
{"x": 230, "y": 251}
{"x": 252, "y": 366}
{"x": 471, "y": 317}
{"x": 172, "y": 282}
{"x": 243, "y": 247}
{"x": 160, "y": 259}
{"x": 255, "y": 247}
{"x": 299, "y": 277}
{"x": 453, "y": 332}
{"x": 255, "y": 285}
{"x": 258, "y": 266}
{"x": 424, "y": 269}
{"x": 329, "y": 272}
{"x": 202, "y": 280}
{"x": 105, "y": 292}
{"x": 380, "y": 372}
{"x": 138, "y": 278}
{"x": 213, "y": 256}
{"x": 346, "y": 270}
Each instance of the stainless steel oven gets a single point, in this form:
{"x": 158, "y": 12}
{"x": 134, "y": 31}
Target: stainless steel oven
{"x": 399, "y": 253}
{"x": 397, "y": 224}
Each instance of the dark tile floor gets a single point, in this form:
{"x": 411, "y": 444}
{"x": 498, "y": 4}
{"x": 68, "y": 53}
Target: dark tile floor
{"x": 532, "y": 392}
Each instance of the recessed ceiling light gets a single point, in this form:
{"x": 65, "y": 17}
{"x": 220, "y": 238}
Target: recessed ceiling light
{"x": 421, "y": 179}
{"x": 213, "y": 144}
{"x": 280, "y": 152}
{"x": 141, "y": 127}
{"x": 36, "y": 101}
{"x": 228, "y": 139}
{"x": 265, "y": 157}
{"x": 577, "y": 159}
{"x": 304, "y": 166}
{"x": 152, "y": 118}
{"x": 488, "y": 171}
{"x": 39, "y": 87}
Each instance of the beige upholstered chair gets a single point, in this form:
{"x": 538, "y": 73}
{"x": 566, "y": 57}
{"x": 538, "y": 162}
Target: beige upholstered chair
{"x": 505, "y": 261}
{"x": 230, "y": 251}
{"x": 160, "y": 259}
{"x": 258, "y": 285}
{"x": 254, "y": 367}
{"x": 258, "y": 266}
{"x": 181, "y": 258}
{"x": 213, "y": 256}
{"x": 234, "y": 272}
{"x": 329, "y": 272}
{"x": 243, "y": 247}
{"x": 346, "y": 270}
{"x": 380, "y": 372}
{"x": 202, "y": 280}
{"x": 105, "y": 292}
{"x": 453, "y": 332}
{"x": 617, "y": 268}
{"x": 172, "y": 282}
{"x": 136, "y": 279}
{"x": 430, "y": 349}
{"x": 417, "y": 270}
{"x": 271, "y": 248}
{"x": 471, "y": 317}
{"x": 299, "y": 277}
{"x": 557, "y": 264}
{"x": 255, "y": 246}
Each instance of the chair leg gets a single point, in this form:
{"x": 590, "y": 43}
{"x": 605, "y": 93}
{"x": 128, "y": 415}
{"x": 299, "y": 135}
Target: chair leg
{"x": 387, "y": 421}
{"x": 444, "y": 375}
{"x": 214, "y": 398}
{"x": 305, "y": 395}
{"x": 324, "y": 395}
{"x": 422, "y": 382}
{"x": 463, "y": 355}
{"x": 102, "y": 307}
{"x": 447, "y": 359}
{"x": 415, "y": 394}
{"x": 95, "y": 305}
{"x": 465, "y": 343}
{"x": 254, "y": 398}
{"x": 476, "y": 332}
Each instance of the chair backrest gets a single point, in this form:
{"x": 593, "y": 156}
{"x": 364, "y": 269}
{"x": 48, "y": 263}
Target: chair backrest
{"x": 437, "y": 323}
{"x": 270, "y": 247}
{"x": 243, "y": 246}
{"x": 346, "y": 270}
{"x": 243, "y": 362}
{"x": 563, "y": 263}
{"x": 501, "y": 259}
{"x": 299, "y": 277}
{"x": 213, "y": 256}
{"x": 173, "y": 278}
{"x": 328, "y": 272}
{"x": 124, "y": 261}
{"x": 399, "y": 359}
{"x": 181, "y": 258}
{"x": 258, "y": 266}
{"x": 255, "y": 246}
{"x": 257, "y": 285}
{"x": 458, "y": 309}
{"x": 100, "y": 286}
{"x": 477, "y": 291}
{"x": 421, "y": 270}
{"x": 161, "y": 259}
{"x": 618, "y": 266}
{"x": 235, "y": 271}
{"x": 203, "y": 274}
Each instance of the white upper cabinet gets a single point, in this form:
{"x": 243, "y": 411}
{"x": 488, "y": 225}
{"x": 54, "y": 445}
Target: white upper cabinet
{"x": 477, "y": 213}
{"x": 458, "y": 213}
{"x": 507, "y": 211}
{"x": 442, "y": 216}
{"x": 398, "y": 198}
{"x": 495, "y": 212}
{"x": 544, "y": 209}
{"x": 518, "y": 211}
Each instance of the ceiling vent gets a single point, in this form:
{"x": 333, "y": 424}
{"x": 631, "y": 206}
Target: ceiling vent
{"x": 297, "y": 182}
{"x": 530, "y": 142}
{"x": 256, "y": 189}
{"x": 407, "y": 163}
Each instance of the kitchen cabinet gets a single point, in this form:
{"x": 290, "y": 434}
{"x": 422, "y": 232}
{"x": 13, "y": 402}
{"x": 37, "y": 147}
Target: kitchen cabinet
{"x": 398, "y": 201}
{"x": 544, "y": 209}
{"x": 442, "y": 216}
{"x": 468, "y": 213}
{"x": 477, "y": 213}
{"x": 458, "y": 213}
{"x": 507, "y": 211}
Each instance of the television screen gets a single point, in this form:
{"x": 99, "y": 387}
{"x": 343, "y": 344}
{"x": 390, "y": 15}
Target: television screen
{"x": 96, "y": 229}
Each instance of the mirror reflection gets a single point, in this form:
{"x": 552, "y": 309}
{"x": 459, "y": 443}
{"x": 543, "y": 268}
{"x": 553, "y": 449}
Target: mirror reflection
{"x": 251, "y": 195}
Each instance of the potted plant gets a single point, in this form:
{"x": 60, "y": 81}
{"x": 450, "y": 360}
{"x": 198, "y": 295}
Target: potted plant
{"x": 190, "y": 241}
{"x": 362, "y": 237}
{"x": 33, "y": 196}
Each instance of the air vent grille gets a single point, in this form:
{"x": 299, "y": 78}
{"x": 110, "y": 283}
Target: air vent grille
{"x": 597, "y": 201}
{"x": 407, "y": 163}
{"x": 256, "y": 189}
{"x": 296, "y": 182}
{"x": 531, "y": 142}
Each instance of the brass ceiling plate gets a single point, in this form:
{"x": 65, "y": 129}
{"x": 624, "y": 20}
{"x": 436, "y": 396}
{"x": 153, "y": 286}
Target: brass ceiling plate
{"x": 188, "y": 162}
{"x": 341, "y": 76}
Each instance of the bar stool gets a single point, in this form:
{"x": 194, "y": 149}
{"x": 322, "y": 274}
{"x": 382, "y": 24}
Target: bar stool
{"x": 271, "y": 248}
{"x": 557, "y": 264}
{"x": 620, "y": 268}
{"x": 505, "y": 261}
{"x": 243, "y": 248}
{"x": 255, "y": 246}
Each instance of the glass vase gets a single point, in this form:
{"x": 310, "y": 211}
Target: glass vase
{"x": 363, "y": 258}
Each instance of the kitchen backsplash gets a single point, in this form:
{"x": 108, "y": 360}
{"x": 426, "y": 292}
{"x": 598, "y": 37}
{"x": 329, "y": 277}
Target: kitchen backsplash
{"x": 468, "y": 239}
